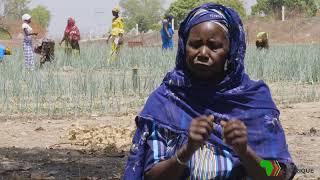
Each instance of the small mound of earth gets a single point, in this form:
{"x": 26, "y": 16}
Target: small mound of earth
{"x": 105, "y": 139}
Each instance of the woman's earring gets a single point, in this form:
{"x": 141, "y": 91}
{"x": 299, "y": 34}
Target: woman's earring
{"x": 226, "y": 65}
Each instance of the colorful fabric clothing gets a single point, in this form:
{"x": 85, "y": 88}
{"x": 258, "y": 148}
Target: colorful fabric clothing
{"x": 167, "y": 38}
{"x": 29, "y": 30}
{"x": 117, "y": 26}
{"x": 117, "y": 29}
{"x": 28, "y": 55}
{"x": 179, "y": 99}
{"x": 71, "y": 31}
{"x": 2, "y": 52}
{"x": 208, "y": 162}
{"x": 27, "y": 47}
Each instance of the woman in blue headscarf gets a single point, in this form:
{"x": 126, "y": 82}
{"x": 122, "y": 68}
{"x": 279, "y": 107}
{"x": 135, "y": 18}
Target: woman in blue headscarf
{"x": 167, "y": 33}
{"x": 208, "y": 120}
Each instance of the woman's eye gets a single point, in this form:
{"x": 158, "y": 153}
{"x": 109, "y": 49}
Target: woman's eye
{"x": 195, "y": 44}
{"x": 214, "y": 45}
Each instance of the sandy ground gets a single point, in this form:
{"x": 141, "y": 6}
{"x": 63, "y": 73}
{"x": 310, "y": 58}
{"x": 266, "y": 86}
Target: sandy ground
{"x": 40, "y": 148}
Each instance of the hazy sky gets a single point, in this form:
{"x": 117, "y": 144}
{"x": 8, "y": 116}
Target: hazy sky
{"x": 91, "y": 15}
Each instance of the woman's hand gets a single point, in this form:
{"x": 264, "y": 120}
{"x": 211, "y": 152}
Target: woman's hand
{"x": 199, "y": 132}
{"x": 120, "y": 42}
{"x": 235, "y": 135}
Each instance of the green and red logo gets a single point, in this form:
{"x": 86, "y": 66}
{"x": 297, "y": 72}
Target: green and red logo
{"x": 272, "y": 167}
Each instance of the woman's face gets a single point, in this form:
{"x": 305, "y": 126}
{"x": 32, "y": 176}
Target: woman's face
{"x": 206, "y": 51}
{"x": 115, "y": 14}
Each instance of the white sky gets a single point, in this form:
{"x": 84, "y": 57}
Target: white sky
{"x": 92, "y": 15}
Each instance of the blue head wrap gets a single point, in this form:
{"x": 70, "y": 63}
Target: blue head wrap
{"x": 178, "y": 100}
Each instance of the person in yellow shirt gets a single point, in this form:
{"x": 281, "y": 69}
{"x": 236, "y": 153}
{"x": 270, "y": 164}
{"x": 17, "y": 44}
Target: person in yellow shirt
{"x": 262, "y": 40}
{"x": 117, "y": 32}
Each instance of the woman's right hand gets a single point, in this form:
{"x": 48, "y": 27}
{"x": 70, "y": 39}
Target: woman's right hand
{"x": 199, "y": 132}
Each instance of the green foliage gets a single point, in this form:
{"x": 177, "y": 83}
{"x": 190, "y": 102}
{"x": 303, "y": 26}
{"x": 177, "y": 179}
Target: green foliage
{"x": 4, "y": 34}
{"x": 273, "y": 7}
{"x": 180, "y": 8}
{"x": 15, "y": 8}
{"x": 41, "y": 15}
{"x": 317, "y": 3}
{"x": 146, "y": 13}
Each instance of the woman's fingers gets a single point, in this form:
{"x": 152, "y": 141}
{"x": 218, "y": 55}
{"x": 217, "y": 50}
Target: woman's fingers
{"x": 199, "y": 131}
{"x": 196, "y": 137}
{"x": 233, "y": 125}
{"x": 235, "y": 134}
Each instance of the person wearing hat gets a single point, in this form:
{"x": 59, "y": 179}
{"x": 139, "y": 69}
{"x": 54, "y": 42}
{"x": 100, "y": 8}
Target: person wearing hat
{"x": 4, "y": 51}
{"x": 27, "y": 41}
{"x": 117, "y": 32}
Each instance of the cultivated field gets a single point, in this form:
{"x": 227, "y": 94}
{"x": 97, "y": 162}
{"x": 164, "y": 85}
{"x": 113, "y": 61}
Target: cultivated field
{"x": 75, "y": 117}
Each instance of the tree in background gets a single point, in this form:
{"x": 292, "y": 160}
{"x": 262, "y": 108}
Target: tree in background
{"x": 318, "y": 3}
{"x": 41, "y": 15}
{"x": 15, "y": 8}
{"x": 274, "y": 7}
{"x": 180, "y": 8}
{"x": 146, "y": 13}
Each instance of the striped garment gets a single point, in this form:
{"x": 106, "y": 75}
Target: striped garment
{"x": 28, "y": 53}
{"x": 209, "y": 162}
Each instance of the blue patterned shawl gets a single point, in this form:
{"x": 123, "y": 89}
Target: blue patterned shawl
{"x": 179, "y": 99}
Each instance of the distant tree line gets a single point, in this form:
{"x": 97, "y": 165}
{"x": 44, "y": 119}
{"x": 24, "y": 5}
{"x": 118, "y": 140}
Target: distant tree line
{"x": 14, "y": 9}
{"x": 147, "y": 13}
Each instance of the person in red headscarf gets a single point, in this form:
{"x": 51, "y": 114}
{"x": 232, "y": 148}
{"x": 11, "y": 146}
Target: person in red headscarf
{"x": 71, "y": 37}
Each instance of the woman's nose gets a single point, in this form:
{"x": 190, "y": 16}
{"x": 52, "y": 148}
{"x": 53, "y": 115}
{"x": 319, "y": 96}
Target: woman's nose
{"x": 203, "y": 55}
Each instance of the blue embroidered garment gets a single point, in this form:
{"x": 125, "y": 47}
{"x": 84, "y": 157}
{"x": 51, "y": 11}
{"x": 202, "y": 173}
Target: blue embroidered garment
{"x": 179, "y": 98}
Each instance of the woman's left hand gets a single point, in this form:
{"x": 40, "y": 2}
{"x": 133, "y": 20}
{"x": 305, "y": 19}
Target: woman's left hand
{"x": 235, "y": 135}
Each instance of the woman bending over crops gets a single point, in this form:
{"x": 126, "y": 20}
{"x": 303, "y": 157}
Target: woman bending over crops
{"x": 71, "y": 37}
{"x": 262, "y": 41}
{"x": 27, "y": 42}
{"x": 208, "y": 120}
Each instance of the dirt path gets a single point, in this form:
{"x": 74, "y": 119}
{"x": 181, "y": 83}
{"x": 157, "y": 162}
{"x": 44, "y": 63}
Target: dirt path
{"x": 25, "y": 145}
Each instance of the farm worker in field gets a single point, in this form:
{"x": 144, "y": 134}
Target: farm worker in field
{"x": 4, "y": 51}
{"x": 262, "y": 40}
{"x": 208, "y": 119}
{"x": 116, "y": 33}
{"x": 167, "y": 33}
{"x": 45, "y": 50}
{"x": 71, "y": 37}
{"x": 27, "y": 42}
